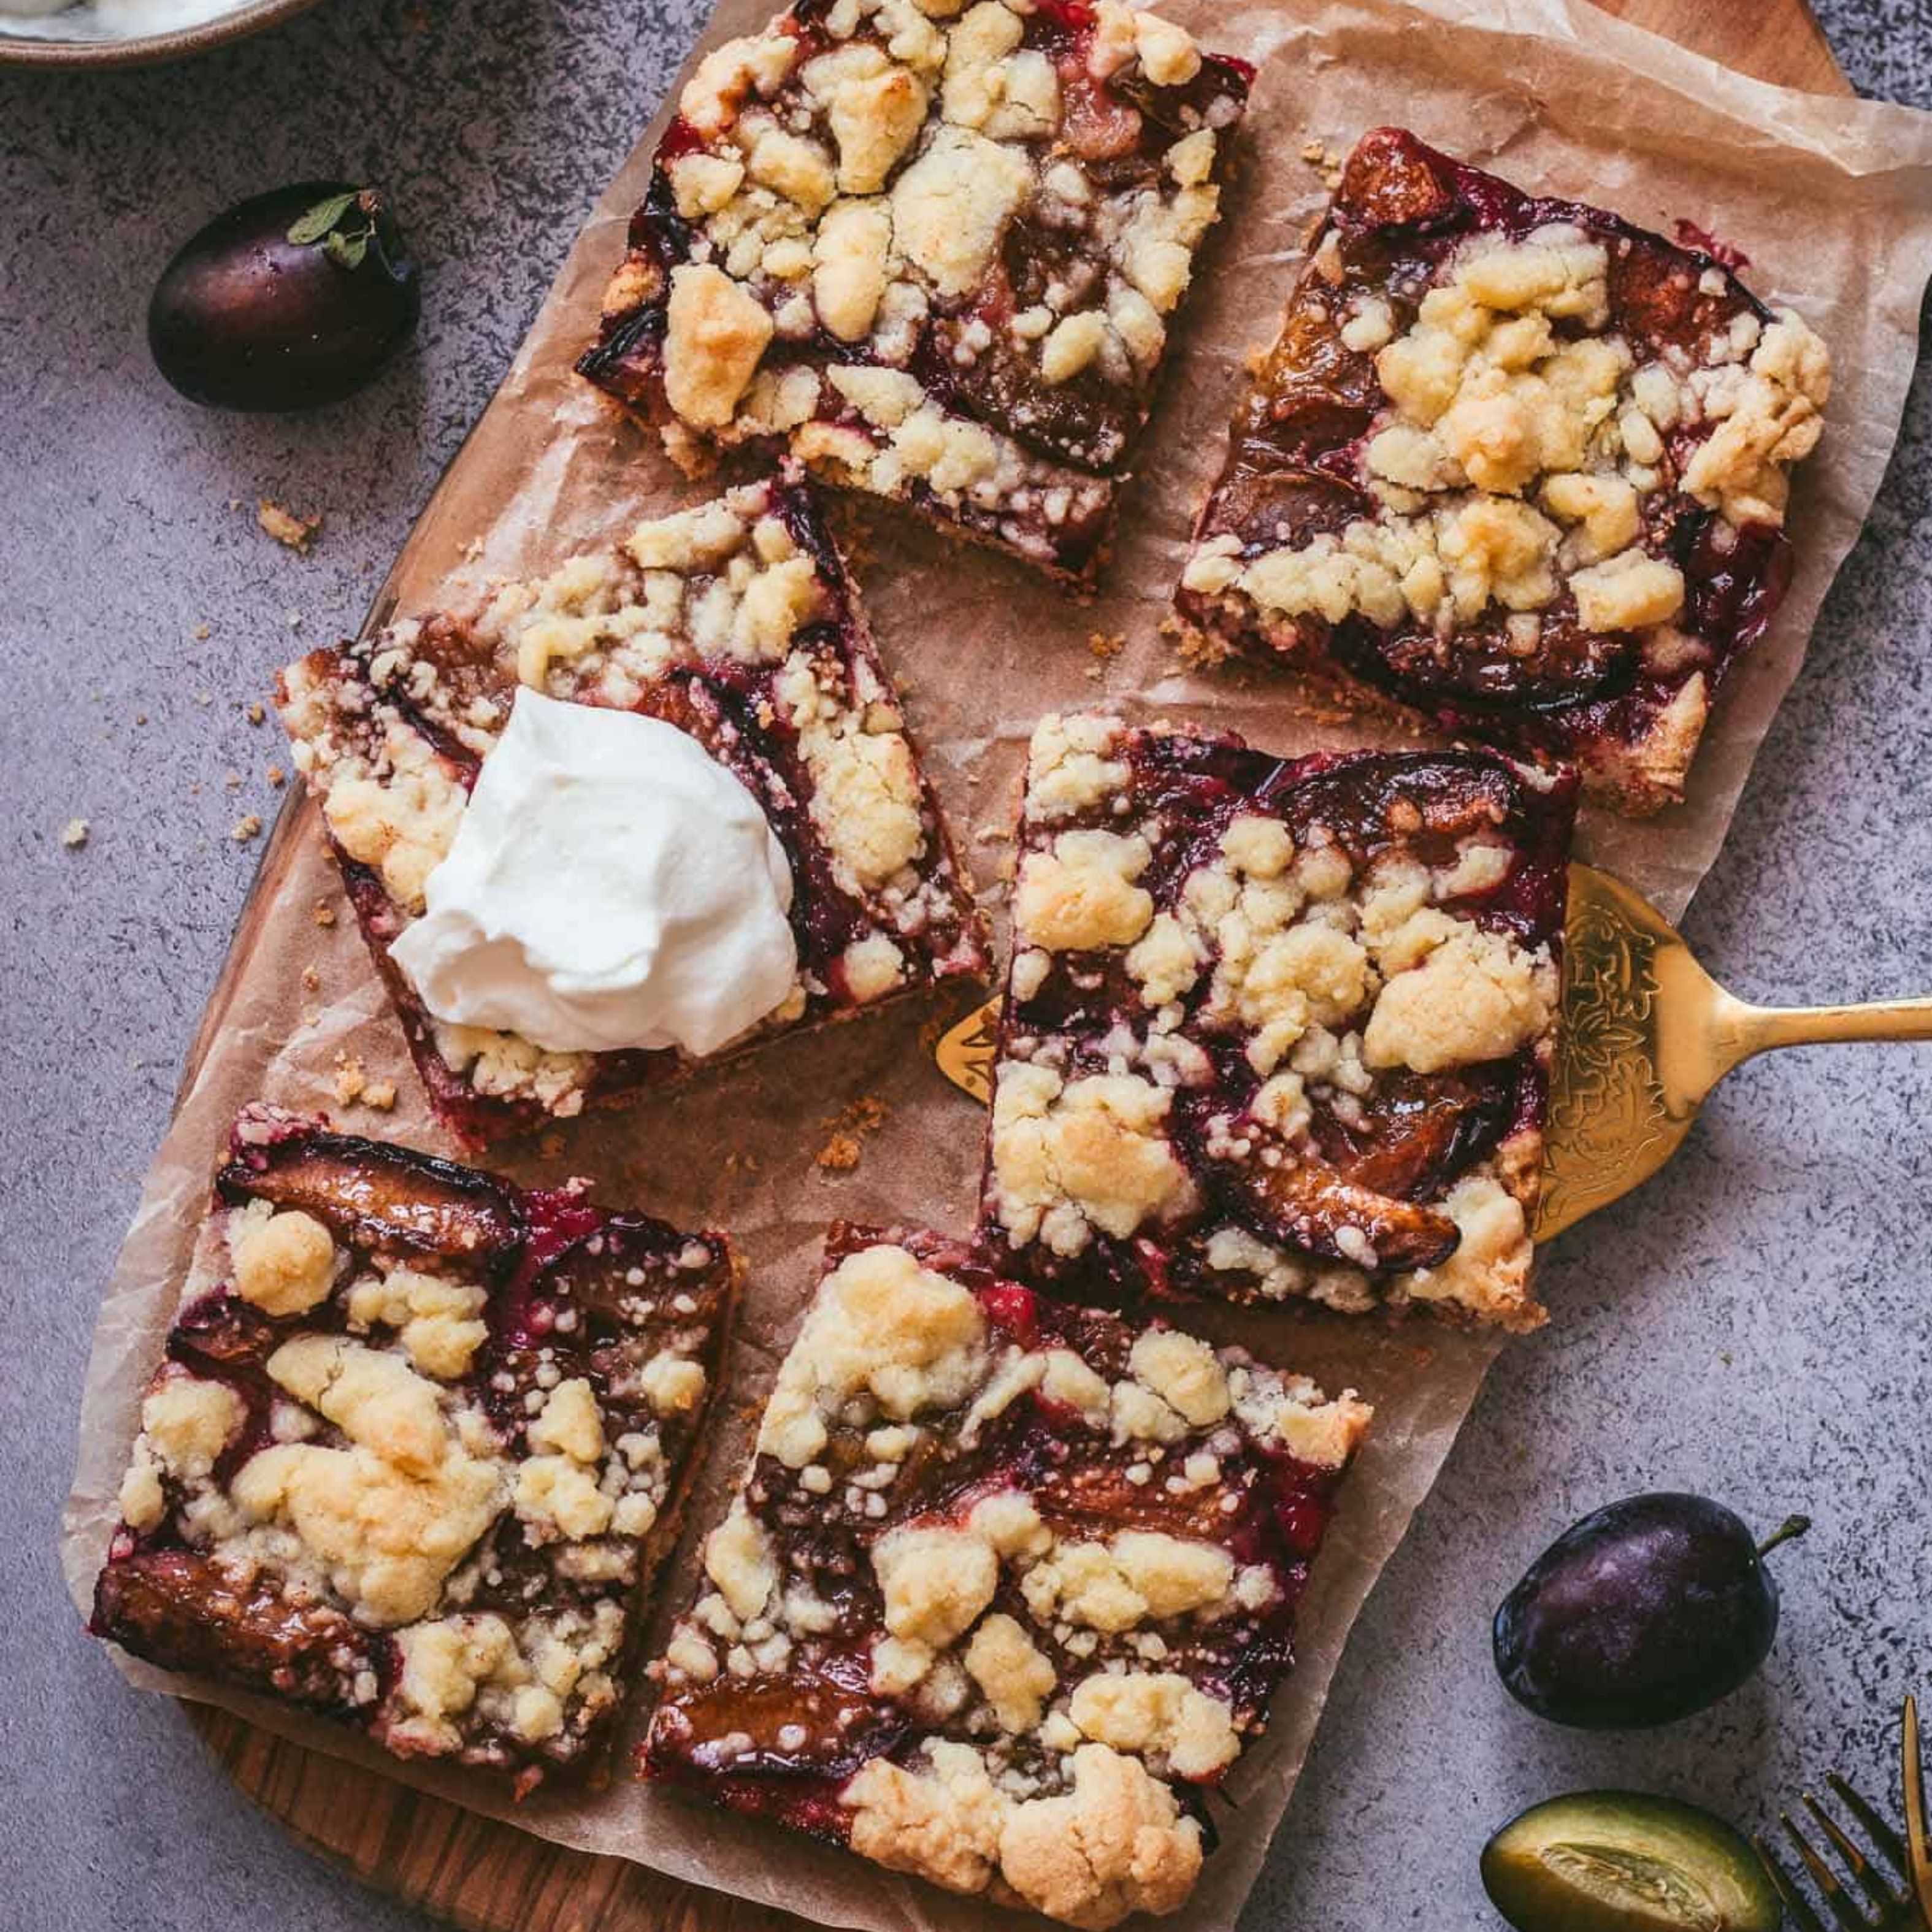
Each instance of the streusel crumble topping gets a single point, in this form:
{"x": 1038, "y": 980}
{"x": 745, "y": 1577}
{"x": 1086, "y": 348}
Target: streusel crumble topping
{"x": 734, "y": 622}
{"x": 416, "y": 1442}
{"x": 1276, "y": 1029}
{"x": 933, "y": 249}
{"x": 1008, "y": 1585}
{"x": 1516, "y": 464}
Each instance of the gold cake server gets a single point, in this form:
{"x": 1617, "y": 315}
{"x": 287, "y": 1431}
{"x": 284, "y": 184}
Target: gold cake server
{"x": 1646, "y": 1034}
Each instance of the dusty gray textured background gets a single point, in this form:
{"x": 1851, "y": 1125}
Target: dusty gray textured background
{"x": 1757, "y": 1325}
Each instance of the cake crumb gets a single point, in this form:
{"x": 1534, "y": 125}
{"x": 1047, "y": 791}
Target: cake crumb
{"x": 246, "y": 827}
{"x": 73, "y": 835}
{"x": 352, "y": 1085}
{"x": 1323, "y": 161}
{"x": 851, "y": 1126}
{"x": 324, "y": 912}
{"x": 311, "y": 979}
{"x": 839, "y": 1155}
{"x": 201, "y": 633}
{"x": 297, "y": 533}
{"x": 1103, "y": 646}
{"x": 277, "y": 777}
{"x": 255, "y": 714}
{"x": 1318, "y": 713}
{"x": 1195, "y": 650}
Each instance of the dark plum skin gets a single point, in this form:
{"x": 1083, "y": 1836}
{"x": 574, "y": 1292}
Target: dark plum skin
{"x": 244, "y": 319}
{"x": 1642, "y": 1613}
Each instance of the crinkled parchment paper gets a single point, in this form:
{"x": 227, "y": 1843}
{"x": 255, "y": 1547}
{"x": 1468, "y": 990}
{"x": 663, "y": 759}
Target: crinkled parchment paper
{"x": 1832, "y": 199}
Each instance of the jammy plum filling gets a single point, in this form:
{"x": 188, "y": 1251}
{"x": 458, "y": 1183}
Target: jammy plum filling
{"x": 1513, "y": 465}
{"x": 934, "y": 253}
{"x": 1002, "y": 1571}
{"x": 735, "y": 622}
{"x": 418, "y": 1439}
{"x": 1277, "y": 1029}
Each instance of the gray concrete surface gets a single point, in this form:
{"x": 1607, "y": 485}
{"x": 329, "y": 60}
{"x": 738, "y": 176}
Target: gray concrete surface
{"x": 1757, "y": 1325}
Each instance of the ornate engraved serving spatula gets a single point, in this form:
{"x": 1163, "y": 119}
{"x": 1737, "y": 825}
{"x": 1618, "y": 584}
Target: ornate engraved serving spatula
{"x": 1646, "y": 1034}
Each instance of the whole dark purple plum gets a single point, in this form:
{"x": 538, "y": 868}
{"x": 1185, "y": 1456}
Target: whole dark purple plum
{"x": 294, "y": 298}
{"x": 1641, "y": 1613}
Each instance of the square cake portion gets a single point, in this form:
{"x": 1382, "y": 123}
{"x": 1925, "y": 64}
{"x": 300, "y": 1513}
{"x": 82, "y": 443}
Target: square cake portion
{"x": 418, "y": 1440}
{"x": 1007, "y": 1586}
{"x": 934, "y": 249}
{"x": 736, "y": 624}
{"x": 1514, "y": 466}
{"x": 1277, "y": 1029}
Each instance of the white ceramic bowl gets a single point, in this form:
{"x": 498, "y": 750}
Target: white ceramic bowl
{"x": 128, "y": 33}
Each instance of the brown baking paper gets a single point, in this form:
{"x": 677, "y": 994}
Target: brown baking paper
{"x": 1831, "y": 198}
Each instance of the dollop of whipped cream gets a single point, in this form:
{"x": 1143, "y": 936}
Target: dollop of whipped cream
{"x": 610, "y": 885}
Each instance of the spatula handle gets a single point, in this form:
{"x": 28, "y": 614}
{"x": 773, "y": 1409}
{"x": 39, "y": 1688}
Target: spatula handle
{"x": 1759, "y": 1028}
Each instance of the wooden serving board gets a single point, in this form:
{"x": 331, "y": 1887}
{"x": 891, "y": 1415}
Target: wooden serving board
{"x": 488, "y": 1877}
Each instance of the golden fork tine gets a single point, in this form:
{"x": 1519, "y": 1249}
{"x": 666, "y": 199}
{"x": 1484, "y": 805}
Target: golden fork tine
{"x": 1787, "y": 1889}
{"x": 1919, "y": 1864}
{"x": 1882, "y": 1833}
{"x": 1880, "y": 1894}
{"x": 1838, "y": 1901}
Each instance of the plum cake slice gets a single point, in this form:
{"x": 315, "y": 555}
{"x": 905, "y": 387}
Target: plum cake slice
{"x": 418, "y": 1440}
{"x": 1007, "y": 1586}
{"x": 1515, "y": 466}
{"x": 934, "y": 250}
{"x": 1276, "y": 1028}
{"x": 735, "y": 624}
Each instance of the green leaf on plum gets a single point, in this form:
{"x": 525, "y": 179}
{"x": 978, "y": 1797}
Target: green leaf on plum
{"x": 318, "y": 221}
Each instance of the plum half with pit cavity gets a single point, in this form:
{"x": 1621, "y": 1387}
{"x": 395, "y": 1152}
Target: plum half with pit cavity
{"x": 1623, "y": 1861}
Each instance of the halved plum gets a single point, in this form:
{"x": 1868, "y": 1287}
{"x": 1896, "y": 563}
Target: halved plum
{"x": 1623, "y": 1861}
{"x": 377, "y": 1193}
